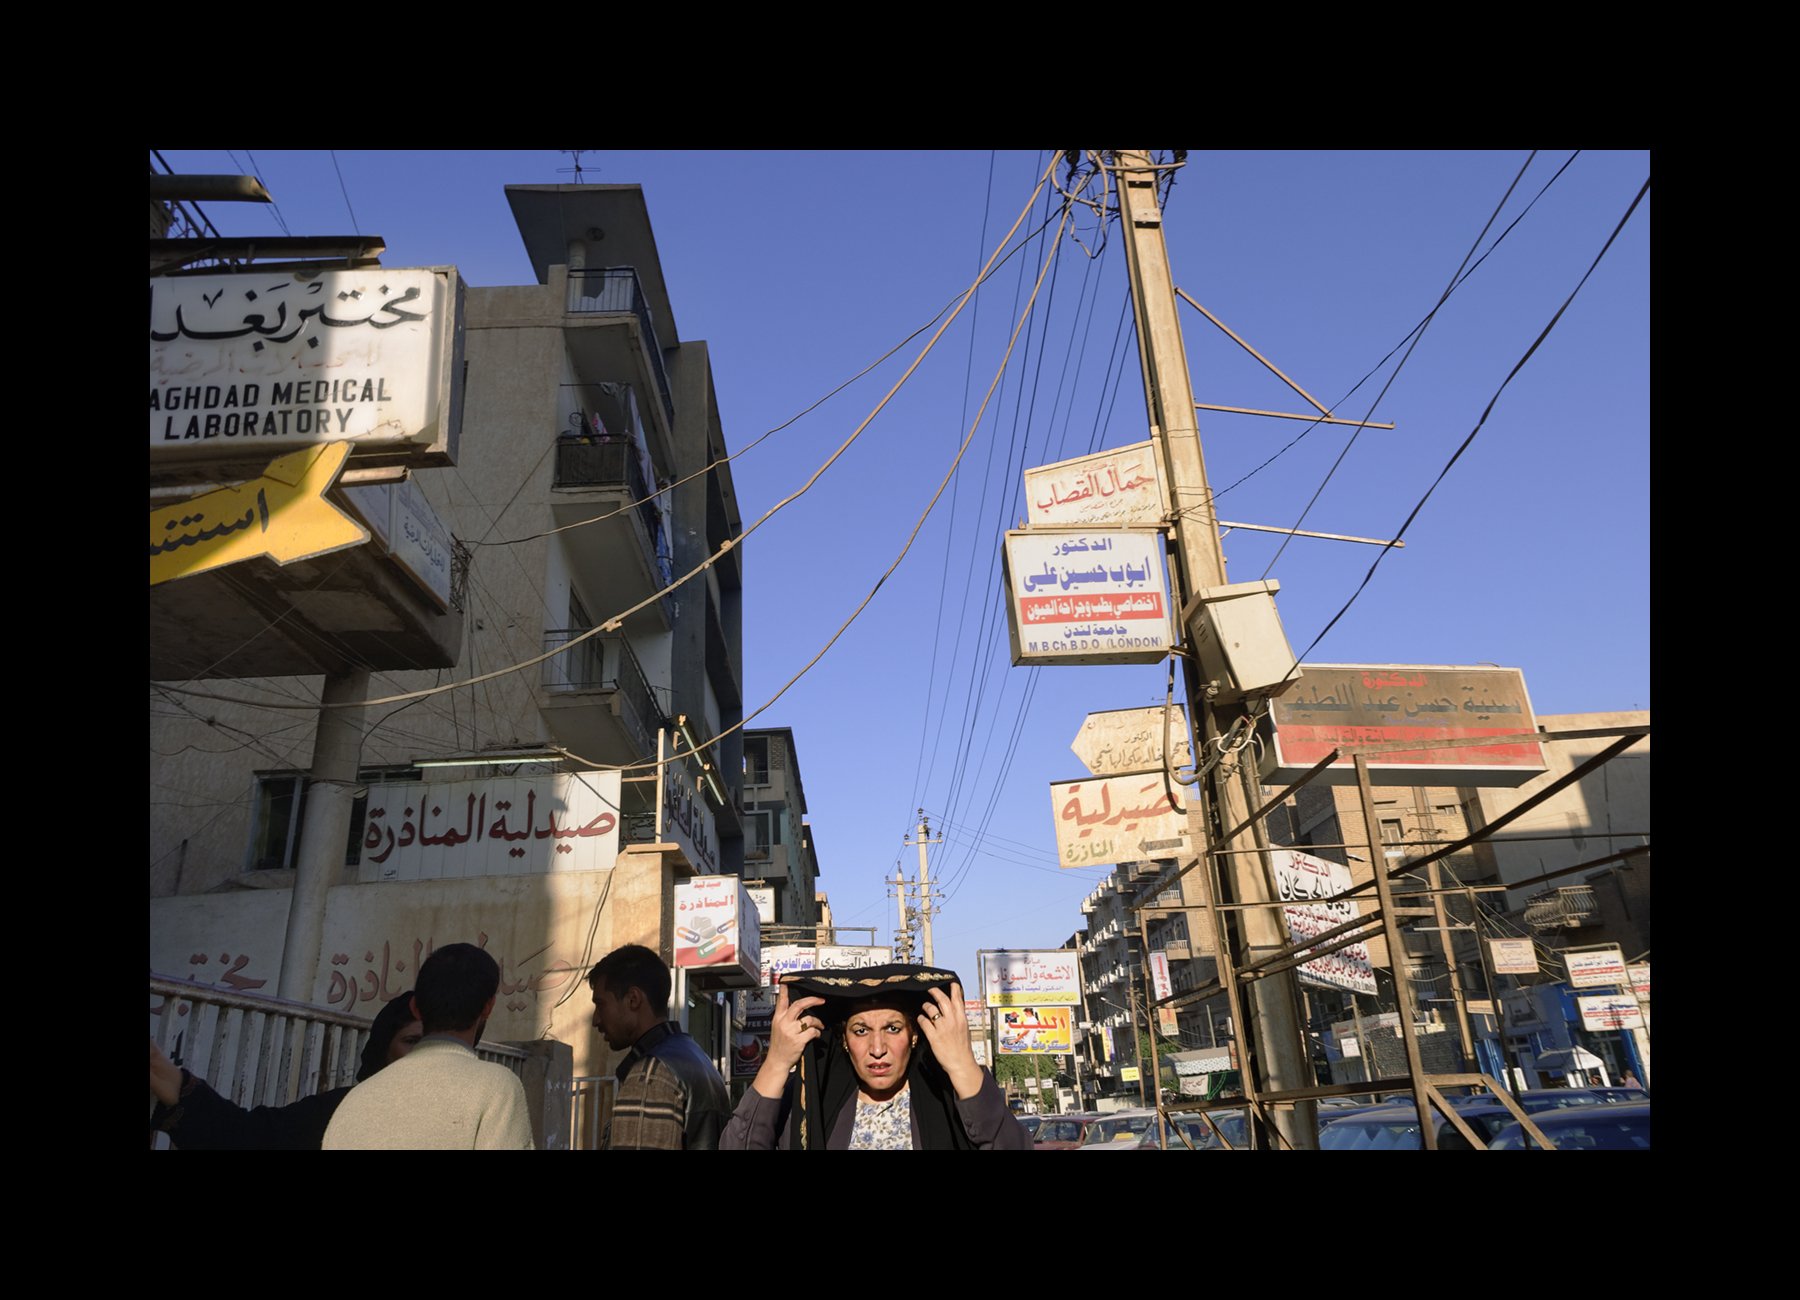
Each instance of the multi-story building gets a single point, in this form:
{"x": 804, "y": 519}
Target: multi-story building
{"x": 778, "y": 839}
{"x": 591, "y": 474}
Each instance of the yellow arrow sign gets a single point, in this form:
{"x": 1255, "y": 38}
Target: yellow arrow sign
{"x": 283, "y": 514}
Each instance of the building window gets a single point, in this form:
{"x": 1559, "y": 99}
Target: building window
{"x": 761, "y": 830}
{"x": 281, "y": 809}
{"x": 756, "y": 761}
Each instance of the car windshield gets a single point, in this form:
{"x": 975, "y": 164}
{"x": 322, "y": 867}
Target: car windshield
{"x": 1059, "y": 1130}
{"x": 1593, "y": 1129}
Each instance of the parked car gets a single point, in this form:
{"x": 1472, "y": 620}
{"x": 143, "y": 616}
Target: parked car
{"x": 1618, "y": 1126}
{"x": 1031, "y": 1123}
{"x": 1061, "y": 1132}
{"x": 1397, "y": 1128}
{"x": 1122, "y": 1126}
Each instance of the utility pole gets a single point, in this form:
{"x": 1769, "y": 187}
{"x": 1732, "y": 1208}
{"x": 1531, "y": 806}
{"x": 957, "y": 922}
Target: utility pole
{"x": 1428, "y": 824}
{"x": 1197, "y": 561}
{"x": 902, "y": 936}
{"x": 925, "y": 905}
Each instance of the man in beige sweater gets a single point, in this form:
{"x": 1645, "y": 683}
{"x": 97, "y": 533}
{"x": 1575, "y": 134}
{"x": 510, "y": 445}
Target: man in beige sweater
{"x": 446, "y": 1098}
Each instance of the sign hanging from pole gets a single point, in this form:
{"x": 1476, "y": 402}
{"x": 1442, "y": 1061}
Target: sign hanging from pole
{"x": 1121, "y": 741}
{"x": 1087, "y": 598}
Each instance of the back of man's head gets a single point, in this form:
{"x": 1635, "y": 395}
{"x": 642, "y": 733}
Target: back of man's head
{"x": 634, "y": 967}
{"x": 455, "y": 984}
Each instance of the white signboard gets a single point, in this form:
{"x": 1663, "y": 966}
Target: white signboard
{"x": 242, "y": 364}
{"x": 1596, "y": 967}
{"x": 851, "y": 956}
{"x": 1082, "y": 598}
{"x": 520, "y": 826}
{"x": 1159, "y": 975}
{"x": 764, "y": 898}
{"x": 1640, "y": 980}
{"x": 1610, "y": 1012}
{"x": 780, "y": 959}
{"x": 1031, "y": 979}
{"x": 1131, "y": 740}
{"x": 1313, "y": 882}
{"x": 1109, "y": 488}
{"x": 716, "y": 928}
{"x": 408, "y": 529}
{"x": 1513, "y": 956}
{"x": 1116, "y": 819}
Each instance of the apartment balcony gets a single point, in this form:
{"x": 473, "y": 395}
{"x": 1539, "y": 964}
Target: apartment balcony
{"x": 597, "y": 702}
{"x": 1567, "y": 908}
{"x": 618, "y": 539}
{"x": 611, "y": 334}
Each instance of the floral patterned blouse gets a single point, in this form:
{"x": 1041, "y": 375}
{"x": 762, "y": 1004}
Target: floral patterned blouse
{"x": 883, "y": 1125}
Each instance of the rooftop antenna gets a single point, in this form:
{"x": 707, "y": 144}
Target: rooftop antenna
{"x": 576, "y": 169}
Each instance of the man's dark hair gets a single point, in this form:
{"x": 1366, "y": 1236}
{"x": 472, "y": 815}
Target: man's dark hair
{"x": 633, "y": 967}
{"x": 455, "y": 983}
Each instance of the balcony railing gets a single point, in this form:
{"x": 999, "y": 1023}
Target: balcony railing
{"x": 606, "y": 663}
{"x": 619, "y": 463}
{"x": 614, "y": 291}
{"x": 1570, "y": 907}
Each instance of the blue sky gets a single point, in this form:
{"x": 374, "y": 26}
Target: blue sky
{"x": 799, "y": 269}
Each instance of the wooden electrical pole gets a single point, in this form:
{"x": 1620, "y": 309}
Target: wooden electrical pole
{"x": 1196, "y": 560}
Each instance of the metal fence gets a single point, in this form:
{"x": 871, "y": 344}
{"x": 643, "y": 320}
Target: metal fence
{"x": 262, "y": 1051}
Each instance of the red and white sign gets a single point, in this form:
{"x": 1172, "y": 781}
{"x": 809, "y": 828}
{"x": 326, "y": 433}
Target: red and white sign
{"x": 1087, "y": 598}
{"x": 517, "y": 826}
{"x": 1159, "y": 975}
{"x": 1116, "y": 819}
{"x": 1106, "y": 489}
{"x": 716, "y": 928}
{"x": 1609, "y": 1012}
{"x": 1513, "y": 956}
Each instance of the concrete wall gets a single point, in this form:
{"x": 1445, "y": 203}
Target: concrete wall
{"x": 545, "y": 931}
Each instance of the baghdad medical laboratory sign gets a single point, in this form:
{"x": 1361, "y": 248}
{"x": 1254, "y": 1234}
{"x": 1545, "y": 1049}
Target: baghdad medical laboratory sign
{"x": 251, "y": 365}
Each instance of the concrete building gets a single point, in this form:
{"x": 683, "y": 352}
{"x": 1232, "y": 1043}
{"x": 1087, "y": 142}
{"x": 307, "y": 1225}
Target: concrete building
{"x": 580, "y": 401}
{"x": 778, "y": 839}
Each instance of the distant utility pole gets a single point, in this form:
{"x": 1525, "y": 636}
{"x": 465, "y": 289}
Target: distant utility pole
{"x": 1197, "y": 561}
{"x": 902, "y": 936}
{"x": 926, "y": 907}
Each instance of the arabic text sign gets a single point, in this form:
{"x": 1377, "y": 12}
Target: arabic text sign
{"x": 780, "y": 959}
{"x": 1314, "y": 882}
{"x": 1018, "y": 978}
{"x": 1513, "y": 956}
{"x": 1098, "y": 597}
{"x": 1117, "y": 487}
{"x": 1159, "y": 975}
{"x": 1035, "y": 1031}
{"x": 414, "y": 830}
{"x": 1131, "y": 740}
{"x": 1607, "y": 1011}
{"x": 274, "y": 360}
{"x": 1116, "y": 819}
{"x": 1596, "y": 967}
{"x": 715, "y": 921}
{"x": 283, "y": 515}
{"x": 1375, "y": 704}
{"x": 1640, "y": 980}
{"x": 852, "y": 956}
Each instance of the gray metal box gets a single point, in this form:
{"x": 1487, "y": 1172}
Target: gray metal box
{"x": 1236, "y": 633}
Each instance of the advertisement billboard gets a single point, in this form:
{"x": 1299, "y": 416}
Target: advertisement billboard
{"x": 1020, "y": 978}
{"x": 1035, "y": 1031}
{"x": 1087, "y": 598}
{"x": 1334, "y": 705}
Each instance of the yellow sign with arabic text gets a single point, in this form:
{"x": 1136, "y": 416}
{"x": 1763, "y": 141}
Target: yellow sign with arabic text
{"x": 283, "y": 515}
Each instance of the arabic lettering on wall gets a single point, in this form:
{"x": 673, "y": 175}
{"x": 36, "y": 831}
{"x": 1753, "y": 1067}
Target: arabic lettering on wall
{"x": 503, "y": 827}
{"x": 522, "y": 980}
